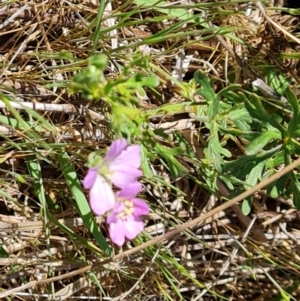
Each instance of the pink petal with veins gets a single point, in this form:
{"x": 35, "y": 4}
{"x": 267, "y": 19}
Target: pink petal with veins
{"x": 140, "y": 207}
{"x": 116, "y": 149}
{"x": 90, "y": 178}
{"x": 133, "y": 228}
{"x": 131, "y": 157}
{"x": 117, "y": 232}
{"x": 102, "y": 198}
{"x": 130, "y": 190}
{"x": 124, "y": 176}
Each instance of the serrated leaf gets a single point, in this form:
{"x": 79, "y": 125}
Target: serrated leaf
{"x": 214, "y": 157}
{"x": 208, "y": 93}
{"x": 244, "y": 160}
{"x": 206, "y": 89}
{"x": 213, "y": 152}
{"x": 241, "y": 118}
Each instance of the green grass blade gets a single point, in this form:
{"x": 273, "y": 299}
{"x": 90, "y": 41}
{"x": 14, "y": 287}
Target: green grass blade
{"x": 83, "y": 206}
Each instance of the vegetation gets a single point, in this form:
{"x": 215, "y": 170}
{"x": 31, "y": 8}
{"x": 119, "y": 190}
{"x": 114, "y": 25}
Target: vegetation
{"x": 210, "y": 93}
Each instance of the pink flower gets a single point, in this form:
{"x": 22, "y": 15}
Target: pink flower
{"x": 123, "y": 163}
{"x": 120, "y": 167}
{"x": 102, "y": 198}
{"x": 124, "y": 221}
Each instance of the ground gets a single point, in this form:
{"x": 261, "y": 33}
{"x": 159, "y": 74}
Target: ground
{"x": 209, "y": 91}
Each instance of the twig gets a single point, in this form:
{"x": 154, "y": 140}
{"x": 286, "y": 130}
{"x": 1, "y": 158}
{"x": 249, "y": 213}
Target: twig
{"x": 257, "y": 82}
{"x": 15, "y": 15}
{"x": 50, "y": 107}
{"x": 168, "y": 235}
{"x": 46, "y": 281}
{"x": 199, "y": 220}
{"x": 39, "y": 225}
{"x": 262, "y": 9}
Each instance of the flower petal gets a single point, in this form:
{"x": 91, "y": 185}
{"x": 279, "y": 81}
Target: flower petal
{"x": 124, "y": 175}
{"x": 117, "y": 232}
{"x": 113, "y": 217}
{"x": 115, "y": 149}
{"x": 90, "y": 178}
{"x": 133, "y": 228}
{"x": 131, "y": 157}
{"x": 140, "y": 207}
{"x": 130, "y": 190}
{"x": 102, "y": 198}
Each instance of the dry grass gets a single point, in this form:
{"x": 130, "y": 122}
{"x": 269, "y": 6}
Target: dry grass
{"x": 47, "y": 252}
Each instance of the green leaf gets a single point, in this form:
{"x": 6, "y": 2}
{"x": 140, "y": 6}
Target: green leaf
{"x": 243, "y": 125}
{"x": 294, "y": 124}
{"x": 257, "y": 111}
{"x": 293, "y": 129}
{"x": 84, "y": 209}
{"x": 227, "y": 181}
{"x": 208, "y": 93}
{"x": 3, "y": 253}
{"x": 234, "y": 131}
{"x": 148, "y": 173}
{"x": 255, "y": 175}
{"x": 206, "y": 89}
{"x": 179, "y": 13}
{"x": 243, "y": 165}
{"x": 278, "y": 188}
{"x": 296, "y": 190}
{"x": 292, "y": 99}
{"x": 278, "y": 158}
{"x": 150, "y": 81}
{"x": 62, "y": 55}
{"x": 246, "y": 206}
{"x": 258, "y": 143}
{"x": 233, "y": 97}
{"x": 214, "y": 151}
{"x": 20, "y": 179}
{"x": 241, "y": 118}
{"x": 239, "y": 114}
{"x": 228, "y": 90}
{"x": 174, "y": 166}
{"x": 277, "y": 82}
